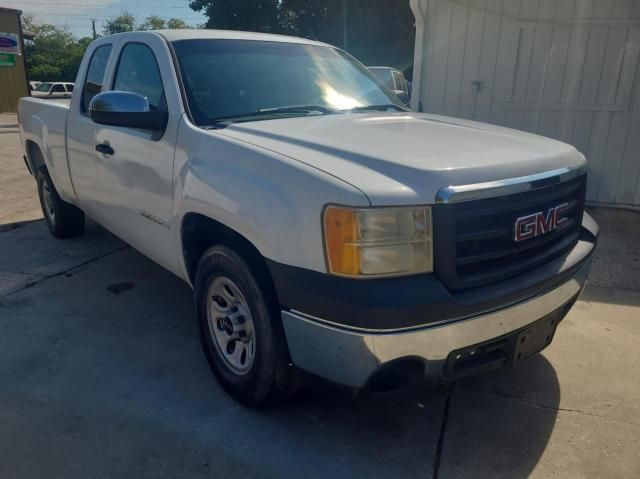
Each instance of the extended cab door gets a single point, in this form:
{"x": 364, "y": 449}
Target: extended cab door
{"x": 135, "y": 176}
{"x": 81, "y": 130}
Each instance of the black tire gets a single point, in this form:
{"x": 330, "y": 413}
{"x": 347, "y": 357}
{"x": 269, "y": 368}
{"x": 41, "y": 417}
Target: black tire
{"x": 271, "y": 376}
{"x": 63, "y": 219}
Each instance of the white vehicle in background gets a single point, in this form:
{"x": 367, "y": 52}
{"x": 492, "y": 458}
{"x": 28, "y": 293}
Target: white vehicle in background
{"x": 395, "y": 81}
{"x": 34, "y": 84}
{"x": 53, "y": 90}
{"x": 324, "y": 227}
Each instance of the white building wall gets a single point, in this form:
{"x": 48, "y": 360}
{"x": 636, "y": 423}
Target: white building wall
{"x": 567, "y": 69}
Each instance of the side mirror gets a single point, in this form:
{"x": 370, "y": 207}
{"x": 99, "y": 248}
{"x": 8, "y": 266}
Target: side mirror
{"x": 403, "y": 96}
{"x": 122, "y": 108}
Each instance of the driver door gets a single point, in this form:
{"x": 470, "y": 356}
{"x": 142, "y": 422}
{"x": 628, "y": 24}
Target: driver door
{"x": 135, "y": 174}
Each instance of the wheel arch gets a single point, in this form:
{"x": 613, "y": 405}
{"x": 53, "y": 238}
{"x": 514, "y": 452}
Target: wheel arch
{"x": 199, "y": 232}
{"x": 35, "y": 156}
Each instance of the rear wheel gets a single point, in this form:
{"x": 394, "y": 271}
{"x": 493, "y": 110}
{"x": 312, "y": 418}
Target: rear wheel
{"x": 63, "y": 219}
{"x": 241, "y": 331}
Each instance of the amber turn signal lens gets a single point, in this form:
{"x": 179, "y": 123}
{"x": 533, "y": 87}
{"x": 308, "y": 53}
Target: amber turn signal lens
{"x": 341, "y": 233}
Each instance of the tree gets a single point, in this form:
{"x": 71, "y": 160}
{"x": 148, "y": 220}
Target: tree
{"x": 250, "y": 15}
{"x": 176, "y": 23}
{"x": 153, "y": 22}
{"x": 54, "y": 54}
{"x": 125, "y": 22}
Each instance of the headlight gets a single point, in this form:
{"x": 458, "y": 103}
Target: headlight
{"x": 378, "y": 241}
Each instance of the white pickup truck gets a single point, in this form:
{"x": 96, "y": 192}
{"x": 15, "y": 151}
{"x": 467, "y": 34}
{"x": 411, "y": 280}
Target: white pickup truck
{"x": 327, "y": 231}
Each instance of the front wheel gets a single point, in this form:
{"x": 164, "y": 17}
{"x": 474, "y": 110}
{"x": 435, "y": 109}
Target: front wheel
{"x": 241, "y": 331}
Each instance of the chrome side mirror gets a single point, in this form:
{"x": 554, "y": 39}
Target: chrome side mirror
{"x": 403, "y": 96}
{"x": 122, "y": 108}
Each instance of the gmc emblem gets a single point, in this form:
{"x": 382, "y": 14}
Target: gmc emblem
{"x": 537, "y": 224}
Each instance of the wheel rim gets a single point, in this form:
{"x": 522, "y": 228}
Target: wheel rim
{"x": 48, "y": 203}
{"x": 231, "y": 325}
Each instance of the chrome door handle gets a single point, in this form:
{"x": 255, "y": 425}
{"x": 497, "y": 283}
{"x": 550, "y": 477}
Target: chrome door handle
{"x": 105, "y": 149}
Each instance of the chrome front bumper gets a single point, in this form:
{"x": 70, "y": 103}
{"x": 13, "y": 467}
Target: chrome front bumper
{"x": 350, "y": 358}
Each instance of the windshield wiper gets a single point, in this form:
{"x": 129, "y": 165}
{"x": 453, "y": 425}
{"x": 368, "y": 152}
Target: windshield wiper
{"x": 296, "y": 109}
{"x": 384, "y": 107}
{"x": 222, "y": 121}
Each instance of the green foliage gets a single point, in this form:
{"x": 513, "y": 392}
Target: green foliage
{"x": 55, "y": 54}
{"x": 250, "y": 15}
{"x": 176, "y": 23}
{"x": 153, "y": 22}
{"x": 125, "y": 22}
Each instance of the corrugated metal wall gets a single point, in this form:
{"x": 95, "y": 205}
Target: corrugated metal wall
{"x": 567, "y": 69}
{"x": 13, "y": 80}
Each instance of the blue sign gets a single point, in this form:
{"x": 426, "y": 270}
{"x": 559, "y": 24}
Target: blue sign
{"x": 9, "y": 43}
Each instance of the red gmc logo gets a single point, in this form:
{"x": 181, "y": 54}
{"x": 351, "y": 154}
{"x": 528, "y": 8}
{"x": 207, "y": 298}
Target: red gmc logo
{"x": 537, "y": 224}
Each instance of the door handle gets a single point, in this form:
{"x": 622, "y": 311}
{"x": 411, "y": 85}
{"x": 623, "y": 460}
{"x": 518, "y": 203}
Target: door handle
{"x": 104, "y": 148}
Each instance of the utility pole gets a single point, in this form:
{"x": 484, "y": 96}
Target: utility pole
{"x": 344, "y": 24}
{"x": 93, "y": 27}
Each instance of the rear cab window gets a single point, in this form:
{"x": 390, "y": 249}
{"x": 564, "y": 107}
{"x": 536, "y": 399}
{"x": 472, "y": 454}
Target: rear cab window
{"x": 95, "y": 76}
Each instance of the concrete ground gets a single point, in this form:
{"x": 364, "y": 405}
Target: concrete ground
{"x": 101, "y": 375}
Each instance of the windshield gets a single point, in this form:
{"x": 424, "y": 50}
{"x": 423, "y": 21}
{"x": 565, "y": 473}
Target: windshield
{"x": 227, "y": 79}
{"x": 44, "y": 87}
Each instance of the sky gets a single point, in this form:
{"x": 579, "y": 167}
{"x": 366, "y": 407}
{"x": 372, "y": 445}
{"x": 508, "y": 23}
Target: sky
{"x": 76, "y": 14}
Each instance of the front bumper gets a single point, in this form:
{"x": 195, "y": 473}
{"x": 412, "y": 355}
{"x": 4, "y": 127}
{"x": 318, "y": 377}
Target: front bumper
{"x": 353, "y": 357}
{"x": 350, "y": 358}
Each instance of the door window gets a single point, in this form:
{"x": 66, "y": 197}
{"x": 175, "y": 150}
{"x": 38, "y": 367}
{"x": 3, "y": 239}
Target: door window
{"x": 95, "y": 75}
{"x": 58, "y": 89}
{"x": 138, "y": 73}
{"x": 69, "y": 87}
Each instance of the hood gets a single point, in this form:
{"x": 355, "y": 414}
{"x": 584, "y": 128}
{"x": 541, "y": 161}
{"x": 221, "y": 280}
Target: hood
{"x": 406, "y": 157}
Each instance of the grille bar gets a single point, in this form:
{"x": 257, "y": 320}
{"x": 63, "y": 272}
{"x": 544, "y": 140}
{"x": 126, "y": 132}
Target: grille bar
{"x": 478, "y": 235}
{"x": 473, "y": 212}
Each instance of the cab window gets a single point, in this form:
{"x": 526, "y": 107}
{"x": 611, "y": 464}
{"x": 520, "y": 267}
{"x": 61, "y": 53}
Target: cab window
{"x": 138, "y": 72}
{"x": 95, "y": 75}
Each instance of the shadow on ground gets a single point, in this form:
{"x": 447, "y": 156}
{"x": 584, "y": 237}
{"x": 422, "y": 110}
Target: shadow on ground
{"x": 16, "y": 225}
{"x": 493, "y": 431}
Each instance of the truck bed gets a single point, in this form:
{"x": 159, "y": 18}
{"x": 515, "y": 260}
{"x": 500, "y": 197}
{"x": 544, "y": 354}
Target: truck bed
{"x": 43, "y": 128}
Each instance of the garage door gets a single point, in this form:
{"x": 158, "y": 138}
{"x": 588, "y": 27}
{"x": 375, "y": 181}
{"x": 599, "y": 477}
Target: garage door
{"x": 567, "y": 69}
